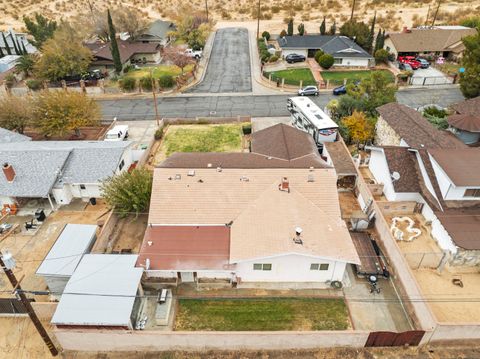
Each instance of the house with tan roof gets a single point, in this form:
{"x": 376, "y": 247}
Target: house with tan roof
{"x": 444, "y": 41}
{"x": 268, "y": 216}
{"x": 465, "y": 121}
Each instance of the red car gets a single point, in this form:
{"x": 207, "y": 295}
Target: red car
{"x": 411, "y": 61}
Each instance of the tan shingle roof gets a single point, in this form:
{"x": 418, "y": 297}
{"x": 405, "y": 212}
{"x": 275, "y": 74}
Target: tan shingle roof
{"x": 468, "y": 107}
{"x": 428, "y": 40}
{"x": 462, "y": 166}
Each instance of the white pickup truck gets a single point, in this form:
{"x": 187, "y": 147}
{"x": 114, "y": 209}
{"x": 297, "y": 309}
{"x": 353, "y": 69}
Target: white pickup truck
{"x": 117, "y": 133}
{"x": 194, "y": 54}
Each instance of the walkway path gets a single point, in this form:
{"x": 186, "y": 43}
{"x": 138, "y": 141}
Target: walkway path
{"x": 315, "y": 69}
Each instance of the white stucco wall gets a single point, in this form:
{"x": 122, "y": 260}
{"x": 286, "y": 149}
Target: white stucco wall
{"x": 439, "y": 233}
{"x": 62, "y": 195}
{"x": 352, "y": 61}
{"x": 200, "y": 274}
{"x": 291, "y": 268}
{"x": 388, "y": 45}
{"x": 6, "y": 200}
{"x": 379, "y": 168}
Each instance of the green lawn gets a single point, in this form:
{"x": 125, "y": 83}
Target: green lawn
{"x": 336, "y": 77}
{"x": 202, "y": 138}
{"x": 262, "y": 314}
{"x": 293, "y": 76}
{"x": 159, "y": 71}
{"x": 449, "y": 68}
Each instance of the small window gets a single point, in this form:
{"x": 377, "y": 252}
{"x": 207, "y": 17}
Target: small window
{"x": 472, "y": 193}
{"x": 82, "y": 186}
{"x": 324, "y": 266}
{"x": 337, "y": 61}
{"x": 262, "y": 266}
{"x": 122, "y": 164}
{"x": 314, "y": 266}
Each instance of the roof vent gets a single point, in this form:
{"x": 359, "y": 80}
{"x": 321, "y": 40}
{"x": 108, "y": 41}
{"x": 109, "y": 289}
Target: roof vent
{"x": 149, "y": 243}
{"x": 9, "y": 172}
{"x": 178, "y": 177}
{"x": 244, "y": 179}
{"x": 284, "y": 186}
{"x": 298, "y": 236}
{"x": 219, "y": 169}
{"x": 191, "y": 173}
{"x": 209, "y": 165}
{"x": 311, "y": 178}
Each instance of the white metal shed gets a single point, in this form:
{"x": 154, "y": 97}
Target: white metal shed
{"x": 64, "y": 256}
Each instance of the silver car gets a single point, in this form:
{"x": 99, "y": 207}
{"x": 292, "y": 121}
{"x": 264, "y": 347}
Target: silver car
{"x": 308, "y": 91}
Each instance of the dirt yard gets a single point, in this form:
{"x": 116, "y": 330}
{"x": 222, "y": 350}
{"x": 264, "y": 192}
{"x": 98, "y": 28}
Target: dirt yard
{"x": 128, "y": 233}
{"x": 86, "y": 133}
{"x": 348, "y": 204}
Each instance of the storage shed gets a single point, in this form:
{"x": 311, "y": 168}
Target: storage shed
{"x": 64, "y": 256}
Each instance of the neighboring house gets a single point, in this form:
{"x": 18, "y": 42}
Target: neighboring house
{"x": 443, "y": 41}
{"x": 158, "y": 32}
{"x": 344, "y": 50}
{"x": 465, "y": 122}
{"x": 8, "y": 62}
{"x": 103, "y": 292}
{"x": 59, "y": 170}
{"x": 270, "y": 216}
{"x": 19, "y": 38}
{"x": 7, "y": 136}
{"x": 65, "y": 254}
{"x": 400, "y": 125}
{"x": 130, "y": 53}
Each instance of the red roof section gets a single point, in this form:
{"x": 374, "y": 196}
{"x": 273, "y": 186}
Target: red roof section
{"x": 186, "y": 248}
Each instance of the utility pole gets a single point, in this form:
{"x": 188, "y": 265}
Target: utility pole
{"x": 155, "y": 97}
{"x": 206, "y": 8}
{"x": 353, "y": 9}
{"x": 31, "y": 313}
{"x": 258, "y": 20}
{"x": 428, "y": 15}
{"x": 436, "y": 13}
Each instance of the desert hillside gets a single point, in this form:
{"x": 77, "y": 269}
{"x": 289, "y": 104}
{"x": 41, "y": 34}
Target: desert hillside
{"x": 391, "y": 14}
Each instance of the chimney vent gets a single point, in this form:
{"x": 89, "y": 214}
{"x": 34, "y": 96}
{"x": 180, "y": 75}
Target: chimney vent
{"x": 284, "y": 186}
{"x": 298, "y": 236}
{"x": 9, "y": 172}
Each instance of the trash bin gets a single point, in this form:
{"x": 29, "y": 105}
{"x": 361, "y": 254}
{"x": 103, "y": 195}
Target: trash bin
{"x": 93, "y": 201}
{"x": 40, "y": 215}
{"x": 278, "y": 82}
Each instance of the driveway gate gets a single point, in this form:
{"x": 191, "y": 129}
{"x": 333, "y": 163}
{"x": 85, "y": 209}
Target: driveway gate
{"x": 392, "y": 339}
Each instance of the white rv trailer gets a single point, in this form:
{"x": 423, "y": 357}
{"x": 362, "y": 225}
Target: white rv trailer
{"x": 307, "y": 116}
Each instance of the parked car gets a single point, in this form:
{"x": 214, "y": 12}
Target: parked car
{"x": 117, "y": 133}
{"x": 410, "y": 60}
{"x": 308, "y": 91}
{"x": 291, "y": 58}
{"x": 193, "y": 53}
{"x": 405, "y": 67}
{"x": 342, "y": 90}
{"x": 424, "y": 64}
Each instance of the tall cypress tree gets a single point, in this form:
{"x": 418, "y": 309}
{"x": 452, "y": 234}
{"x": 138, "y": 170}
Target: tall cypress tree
{"x": 382, "y": 40}
{"x": 371, "y": 35}
{"x": 290, "y": 27}
{"x": 117, "y": 63}
{"x": 24, "y": 49}
{"x": 333, "y": 29}
{"x": 7, "y": 47}
{"x": 378, "y": 41}
{"x": 323, "y": 27}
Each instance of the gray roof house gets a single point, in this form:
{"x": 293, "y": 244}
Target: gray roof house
{"x": 20, "y": 38}
{"x": 158, "y": 32}
{"x": 344, "y": 50}
{"x": 7, "y": 136}
{"x": 62, "y": 169}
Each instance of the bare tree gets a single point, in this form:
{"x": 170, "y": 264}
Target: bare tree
{"x": 130, "y": 20}
{"x": 176, "y": 56}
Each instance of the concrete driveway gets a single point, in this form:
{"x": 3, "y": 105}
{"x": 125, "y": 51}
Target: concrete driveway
{"x": 430, "y": 76}
{"x": 229, "y": 67}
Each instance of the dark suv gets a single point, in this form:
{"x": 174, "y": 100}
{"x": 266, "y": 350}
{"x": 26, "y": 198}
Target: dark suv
{"x": 291, "y": 58}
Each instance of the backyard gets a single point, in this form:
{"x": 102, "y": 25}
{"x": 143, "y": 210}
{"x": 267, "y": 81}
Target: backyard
{"x": 200, "y": 138}
{"x": 337, "y": 77}
{"x": 293, "y": 76}
{"x": 159, "y": 71}
{"x": 262, "y": 314}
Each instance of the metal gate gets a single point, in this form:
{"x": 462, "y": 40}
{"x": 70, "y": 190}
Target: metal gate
{"x": 11, "y": 306}
{"x": 392, "y": 339}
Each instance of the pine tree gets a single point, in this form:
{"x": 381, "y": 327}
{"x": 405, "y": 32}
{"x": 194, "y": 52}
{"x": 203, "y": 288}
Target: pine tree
{"x": 7, "y": 47}
{"x": 382, "y": 40}
{"x": 323, "y": 27}
{"x": 301, "y": 29}
{"x": 290, "y": 28}
{"x": 378, "y": 40}
{"x": 113, "y": 45}
{"x": 15, "y": 47}
{"x": 371, "y": 36}
{"x": 333, "y": 29}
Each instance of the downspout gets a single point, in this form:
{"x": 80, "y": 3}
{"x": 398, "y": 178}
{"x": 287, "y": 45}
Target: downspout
{"x": 51, "y": 203}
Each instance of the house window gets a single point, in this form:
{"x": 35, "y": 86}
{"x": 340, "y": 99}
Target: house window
{"x": 319, "y": 266}
{"x": 262, "y": 266}
{"x": 82, "y": 186}
{"x": 472, "y": 192}
{"x": 121, "y": 165}
{"x": 337, "y": 61}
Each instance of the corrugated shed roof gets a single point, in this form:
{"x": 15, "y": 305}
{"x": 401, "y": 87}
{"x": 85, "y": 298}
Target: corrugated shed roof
{"x": 67, "y": 251}
{"x": 462, "y": 166}
{"x": 101, "y": 291}
{"x": 342, "y": 161}
{"x": 186, "y": 248}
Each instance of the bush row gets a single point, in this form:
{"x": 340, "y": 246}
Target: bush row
{"x": 146, "y": 83}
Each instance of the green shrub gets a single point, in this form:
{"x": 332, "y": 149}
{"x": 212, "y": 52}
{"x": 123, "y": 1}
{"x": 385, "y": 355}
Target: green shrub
{"x": 405, "y": 75}
{"x": 166, "y": 81}
{"x": 326, "y": 61}
{"x": 127, "y": 83}
{"x": 146, "y": 83}
{"x": 381, "y": 56}
{"x": 128, "y": 68}
{"x": 266, "y": 35}
{"x": 273, "y": 58}
{"x": 247, "y": 128}
{"x": 434, "y": 112}
{"x": 318, "y": 54}
{"x": 283, "y": 33}
{"x": 158, "y": 133}
{"x": 34, "y": 85}
{"x": 10, "y": 80}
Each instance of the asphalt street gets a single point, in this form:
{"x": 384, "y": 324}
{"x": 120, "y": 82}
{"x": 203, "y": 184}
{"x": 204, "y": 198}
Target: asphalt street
{"x": 228, "y": 69}
{"x": 255, "y": 106}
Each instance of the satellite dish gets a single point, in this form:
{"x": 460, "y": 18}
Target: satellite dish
{"x": 395, "y": 176}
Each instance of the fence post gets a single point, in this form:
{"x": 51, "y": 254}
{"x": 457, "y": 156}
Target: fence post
{"x": 82, "y": 86}
{"x": 269, "y": 78}
{"x": 344, "y": 82}
{"x": 102, "y": 85}
{"x": 64, "y": 85}
{"x": 301, "y": 83}
{"x": 283, "y": 82}
{"x": 328, "y": 84}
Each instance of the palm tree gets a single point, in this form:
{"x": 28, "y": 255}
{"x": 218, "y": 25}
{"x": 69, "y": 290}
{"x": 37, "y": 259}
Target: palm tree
{"x": 25, "y": 64}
